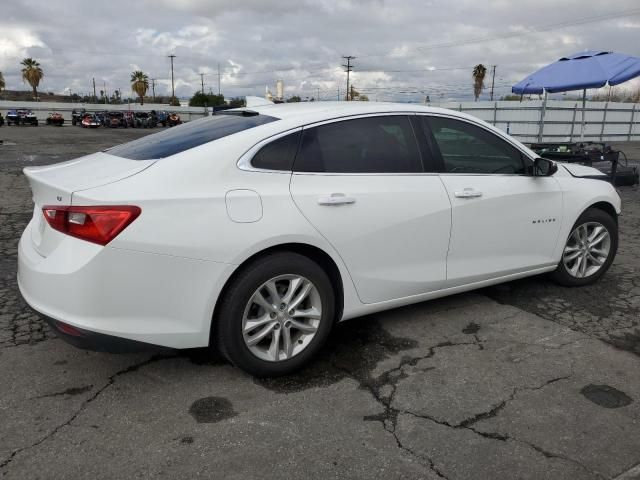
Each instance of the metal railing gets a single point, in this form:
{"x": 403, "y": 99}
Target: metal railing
{"x": 557, "y": 120}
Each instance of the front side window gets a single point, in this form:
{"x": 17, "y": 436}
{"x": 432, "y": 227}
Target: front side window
{"x": 466, "y": 148}
{"x": 383, "y": 144}
{"x": 188, "y": 135}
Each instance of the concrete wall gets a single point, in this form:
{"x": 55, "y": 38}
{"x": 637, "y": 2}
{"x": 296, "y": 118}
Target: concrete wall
{"x": 42, "y": 109}
{"x": 558, "y": 120}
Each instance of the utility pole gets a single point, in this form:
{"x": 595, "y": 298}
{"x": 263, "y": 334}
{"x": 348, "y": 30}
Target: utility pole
{"x": 318, "y": 97}
{"x": 218, "y": 78}
{"x": 104, "y": 85}
{"x": 94, "y": 89}
{"x": 351, "y": 93}
{"x": 493, "y": 79}
{"x": 153, "y": 89}
{"x": 348, "y": 68}
{"x": 202, "y": 82}
{"x": 173, "y": 90}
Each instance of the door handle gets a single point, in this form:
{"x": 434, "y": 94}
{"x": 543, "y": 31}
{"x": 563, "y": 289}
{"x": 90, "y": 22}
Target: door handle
{"x": 336, "y": 199}
{"x": 468, "y": 193}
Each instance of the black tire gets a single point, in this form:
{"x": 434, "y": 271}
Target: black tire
{"x": 226, "y": 332}
{"x": 562, "y": 276}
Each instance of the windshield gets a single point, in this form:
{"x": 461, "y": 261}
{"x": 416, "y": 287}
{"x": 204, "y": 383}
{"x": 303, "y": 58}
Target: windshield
{"x": 187, "y": 136}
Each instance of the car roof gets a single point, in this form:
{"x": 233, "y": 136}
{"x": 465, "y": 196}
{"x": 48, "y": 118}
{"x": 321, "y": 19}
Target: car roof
{"x": 299, "y": 114}
{"x": 309, "y": 112}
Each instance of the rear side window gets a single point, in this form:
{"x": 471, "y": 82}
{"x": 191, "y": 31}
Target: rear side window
{"x": 466, "y": 148}
{"x": 188, "y": 135}
{"x": 279, "y": 154}
{"x": 384, "y": 144}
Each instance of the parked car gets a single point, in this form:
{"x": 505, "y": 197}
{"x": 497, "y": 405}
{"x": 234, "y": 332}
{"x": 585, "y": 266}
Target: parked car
{"x": 22, "y": 116}
{"x": 76, "y": 116}
{"x": 311, "y": 213}
{"x": 162, "y": 117}
{"x": 129, "y": 118}
{"x": 143, "y": 120}
{"x": 102, "y": 117}
{"x": 55, "y": 118}
{"x": 116, "y": 119}
{"x": 173, "y": 119}
{"x": 90, "y": 120}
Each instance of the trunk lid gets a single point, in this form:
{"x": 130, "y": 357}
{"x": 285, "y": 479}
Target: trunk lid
{"x": 55, "y": 185}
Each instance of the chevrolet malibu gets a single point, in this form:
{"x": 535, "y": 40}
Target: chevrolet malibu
{"x": 255, "y": 231}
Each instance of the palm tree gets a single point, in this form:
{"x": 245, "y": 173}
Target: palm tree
{"x": 3, "y": 85}
{"x": 139, "y": 84}
{"x": 479, "y": 71}
{"x": 32, "y": 73}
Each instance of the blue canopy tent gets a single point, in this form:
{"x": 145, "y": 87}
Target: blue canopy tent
{"x": 588, "y": 69}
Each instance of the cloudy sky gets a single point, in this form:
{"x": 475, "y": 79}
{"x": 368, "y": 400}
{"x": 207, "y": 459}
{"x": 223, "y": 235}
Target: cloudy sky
{"x": 405, "y": 49}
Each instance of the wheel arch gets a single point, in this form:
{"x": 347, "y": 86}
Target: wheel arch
{"x": 606, "y": 207}
{"x": 312, "y": 252}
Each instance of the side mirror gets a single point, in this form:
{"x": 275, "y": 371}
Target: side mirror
{"x": 543, "y": 167}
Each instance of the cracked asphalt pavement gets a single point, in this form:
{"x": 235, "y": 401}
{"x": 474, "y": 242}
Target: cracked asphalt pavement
{"x": 525, "y": 380}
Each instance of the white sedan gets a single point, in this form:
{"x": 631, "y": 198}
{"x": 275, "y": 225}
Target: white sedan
{"x": 254, "y": 231}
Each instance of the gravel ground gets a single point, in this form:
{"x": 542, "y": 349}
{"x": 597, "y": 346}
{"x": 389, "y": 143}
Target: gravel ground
{"x": 521, "y": 380}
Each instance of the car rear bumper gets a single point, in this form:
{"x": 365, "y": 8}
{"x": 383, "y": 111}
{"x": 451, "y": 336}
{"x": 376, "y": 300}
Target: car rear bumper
{"x": 143, "y": 297}
{"x": 98, "y": 342}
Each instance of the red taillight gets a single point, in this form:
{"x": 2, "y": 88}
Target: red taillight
{"x": 68, "y": 329}
{"x": 99, "y": 224}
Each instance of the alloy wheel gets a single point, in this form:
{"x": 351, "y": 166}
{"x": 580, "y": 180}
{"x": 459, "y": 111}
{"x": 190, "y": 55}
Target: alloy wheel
{"x": 587, "y": 249}
{"x": 281, "y": 317}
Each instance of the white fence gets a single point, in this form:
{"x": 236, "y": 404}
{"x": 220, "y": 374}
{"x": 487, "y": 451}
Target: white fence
{"x": 42, "y": 109}
{"x": 529, "y": 121}
{"x": 557, "y": 120}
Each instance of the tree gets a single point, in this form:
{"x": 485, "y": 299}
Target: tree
{"x": 510, "y": 98}
{"x": 357, "y": 96}
{"x": 32, "y": 73}
{"x": 3, "y": 85}
{"x": 139, "y": 84}
{"x": 479, "y": 72}
{"x": 294, "y": 99}
{"x": 236, "y": 102}
{"x": 200, "y": 99}
{"x": 174, "y": 102}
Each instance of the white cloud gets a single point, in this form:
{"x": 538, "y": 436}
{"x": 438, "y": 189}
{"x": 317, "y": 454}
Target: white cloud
{"x": 409, "y": 44}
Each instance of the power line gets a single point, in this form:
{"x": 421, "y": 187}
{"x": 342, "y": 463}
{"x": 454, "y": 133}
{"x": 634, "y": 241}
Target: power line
{"x": 505, "y": 35}
{"x": 218, "y": 78}
{"x": 173, "y": 90}
{"x": 493, "y": 79}
{"x": 348, "y": 68}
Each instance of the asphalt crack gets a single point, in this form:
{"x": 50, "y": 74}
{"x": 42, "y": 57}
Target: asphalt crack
{"x": 389, "y": 417}
{"x": 383, "y": 388}
{"x": 110, "y": 381}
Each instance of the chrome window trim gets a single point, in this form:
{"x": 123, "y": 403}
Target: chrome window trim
{"x": 244, "y": 162}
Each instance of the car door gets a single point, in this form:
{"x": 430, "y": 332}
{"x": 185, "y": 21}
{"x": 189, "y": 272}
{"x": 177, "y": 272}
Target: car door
{"x": 504, "y": 221}
{"x": 361, "y": 184}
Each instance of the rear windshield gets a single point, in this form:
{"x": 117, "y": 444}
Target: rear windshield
{"x": 178, "y": 139}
